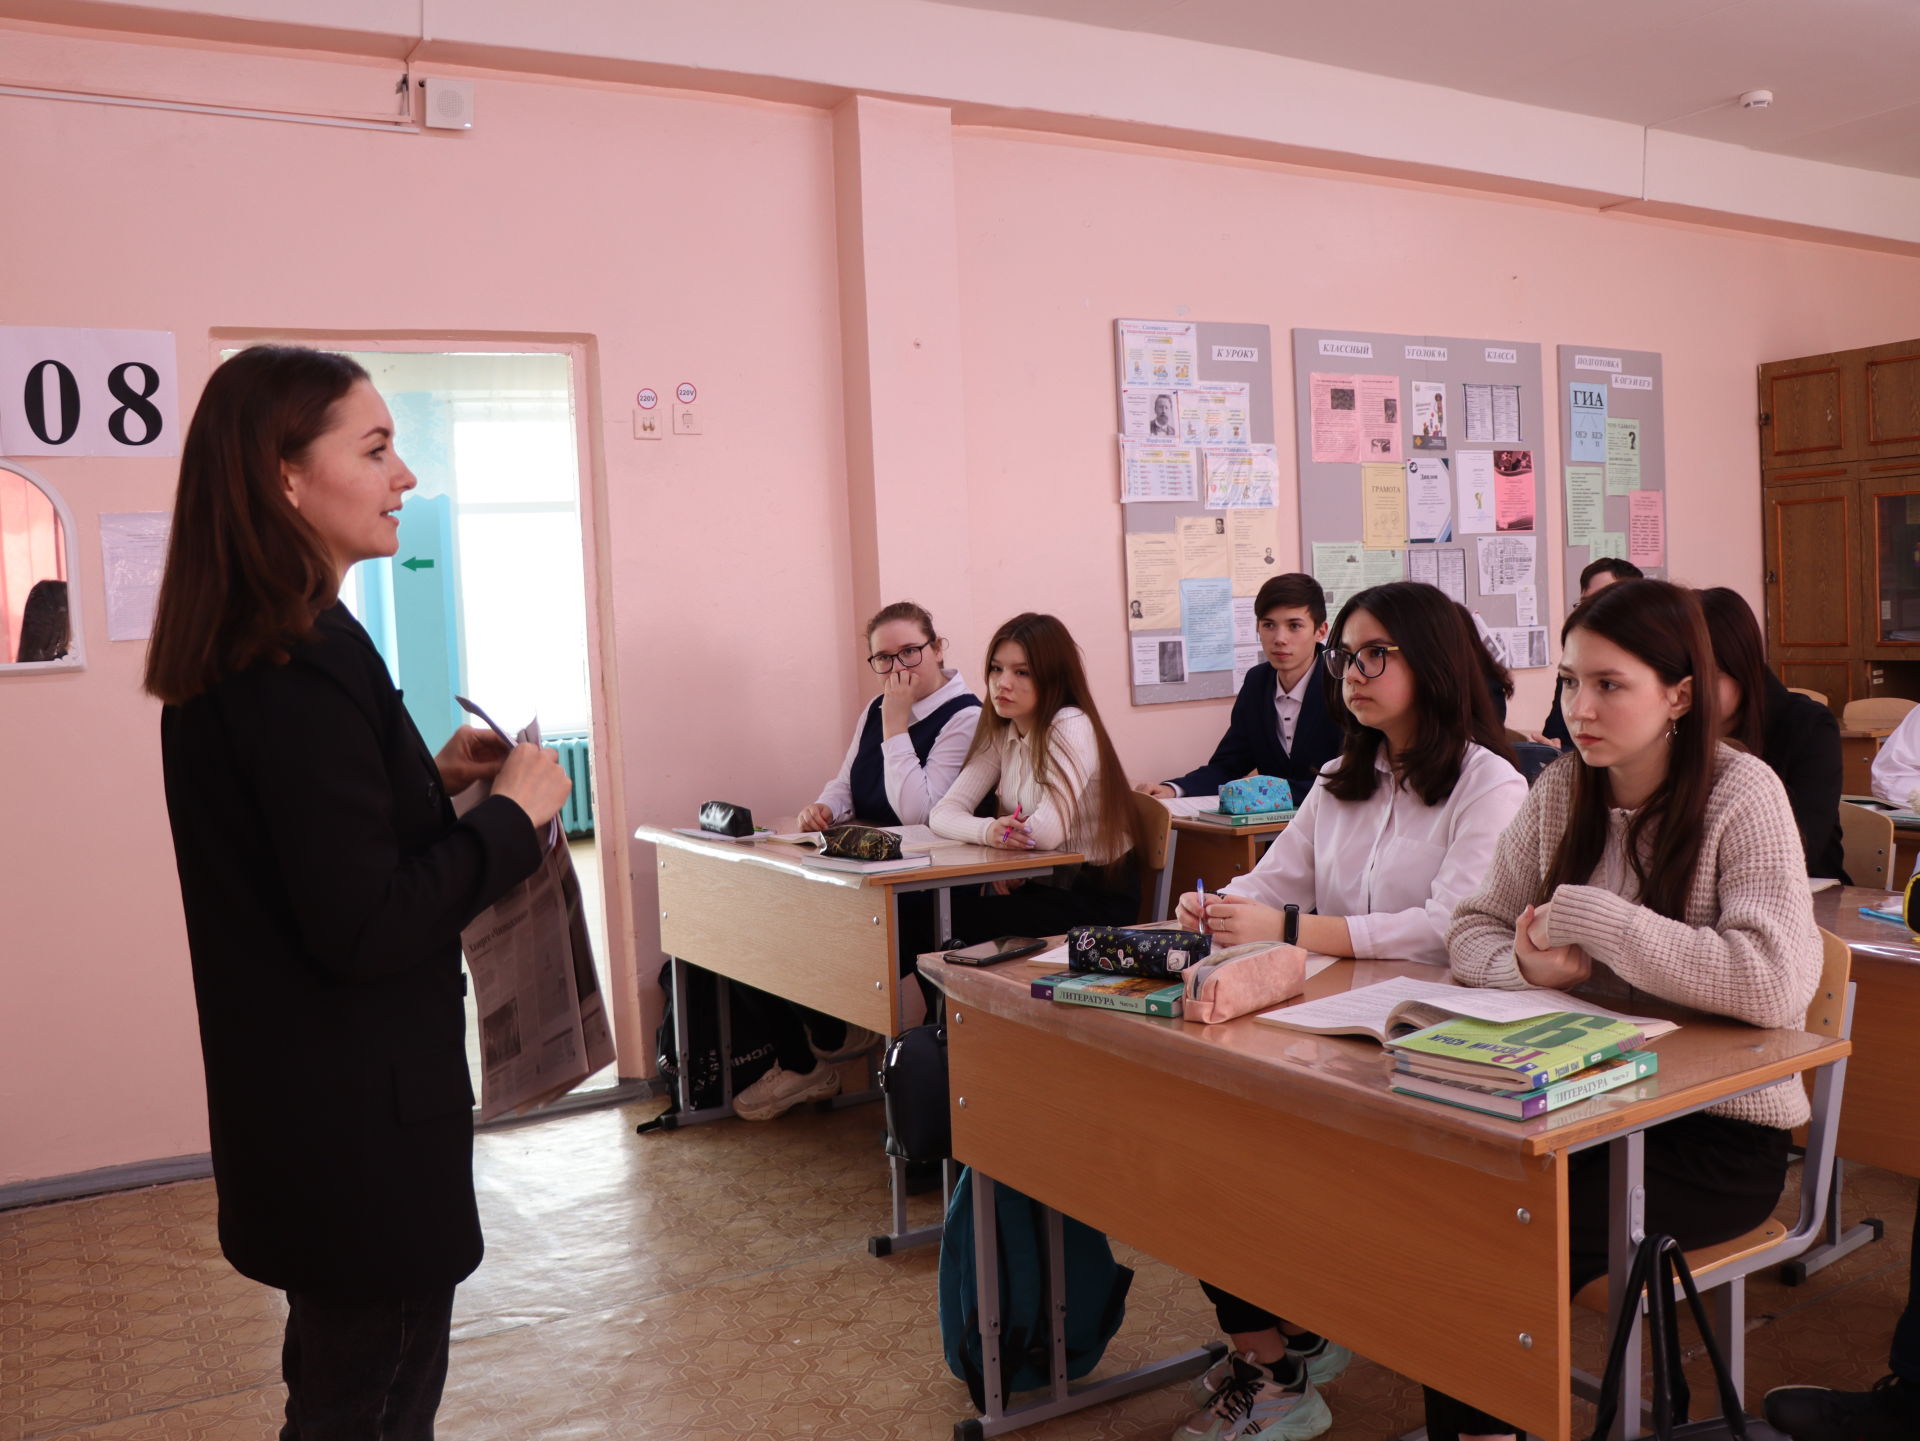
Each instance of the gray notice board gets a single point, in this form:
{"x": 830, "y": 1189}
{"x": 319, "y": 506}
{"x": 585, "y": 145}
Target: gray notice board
{"x": 1223, "y": 354}
{"x": 1616, "y": 401}
{"x": 1462, "y": 420}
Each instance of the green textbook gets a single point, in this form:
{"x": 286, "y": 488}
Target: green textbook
{"x": 1144, "y": 995}
{"x": 1520, "y": 1055}
{"x": 1522, "y": 1105}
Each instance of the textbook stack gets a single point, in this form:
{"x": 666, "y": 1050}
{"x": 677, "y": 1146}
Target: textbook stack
{"x": 1520, "y": 1069}
{"x": 1143, "y": 995}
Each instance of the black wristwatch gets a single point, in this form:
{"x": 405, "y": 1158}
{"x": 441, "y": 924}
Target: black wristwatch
{"x": 1290, "y": 928}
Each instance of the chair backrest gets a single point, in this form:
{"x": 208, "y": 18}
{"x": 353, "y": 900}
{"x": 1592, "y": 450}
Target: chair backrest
{"x": 1809, "y": 694}
{"x": 1827, "y": 1016}
{"x": 1152, "y": 858}
{"x": 1866, "y": 840}
{"x": 1875, "y": 712}
{"x": 1534, "y": 758}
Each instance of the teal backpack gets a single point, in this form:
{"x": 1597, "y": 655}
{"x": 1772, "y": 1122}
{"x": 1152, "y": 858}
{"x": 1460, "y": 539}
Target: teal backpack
{"x": 1096, "y": 1293}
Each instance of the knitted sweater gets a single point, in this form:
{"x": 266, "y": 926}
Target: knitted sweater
{"x": 1748, "y": 947}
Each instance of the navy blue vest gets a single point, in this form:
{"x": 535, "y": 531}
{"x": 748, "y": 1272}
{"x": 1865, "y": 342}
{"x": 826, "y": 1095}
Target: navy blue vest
{"x": 869, "y": 774}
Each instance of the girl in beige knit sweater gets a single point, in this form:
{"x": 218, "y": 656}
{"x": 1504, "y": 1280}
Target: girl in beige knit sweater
{"x": 1659, "y": 860}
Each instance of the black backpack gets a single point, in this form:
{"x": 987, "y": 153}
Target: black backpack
{"x": 752, "y": 1032}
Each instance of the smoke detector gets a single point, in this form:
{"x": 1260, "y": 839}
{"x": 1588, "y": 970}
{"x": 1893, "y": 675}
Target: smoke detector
{"x": 1756, "y": 100}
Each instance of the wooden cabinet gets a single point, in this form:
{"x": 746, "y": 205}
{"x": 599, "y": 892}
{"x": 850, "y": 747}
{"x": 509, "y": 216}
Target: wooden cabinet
{"x": 1840, "y": 488}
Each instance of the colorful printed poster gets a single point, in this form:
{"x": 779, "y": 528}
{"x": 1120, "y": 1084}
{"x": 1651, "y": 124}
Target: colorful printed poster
{"x": 1380, "y": 417}
{"x": 1429, "y": 415}
{"x": 1429, "y": 500}
{"x": 1153, "y": 578}
{"x": 1383, "y": 507}
{"x": 1158, "y": 472}
{"x": 1248, "y": 476}
{"x": 1623, "y": 456}
{"x": 1215, "y": 415}
{"x": 1206, "y": 623}
{"x": 1254, "y": 537}
{"x": 1334, "y": 402}
{"x": 1647, "y": 527}
{"x": 1513, "y": 489}
{"x": 1474, "y": 484}
{"x": 1157, "y": 352}
{"x": 1586, "y": 504}
{"x": 1587, "y": 423}
{"x": 1150, "y": 412}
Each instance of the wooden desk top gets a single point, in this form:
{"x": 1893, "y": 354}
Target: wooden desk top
{"x": 1216, "y": 828}
{"x": 1864, "y": 733}
{"x": 1837, "y": 909}
{"x": 952, "y": 860}
{"x": 1343, "y": 1081}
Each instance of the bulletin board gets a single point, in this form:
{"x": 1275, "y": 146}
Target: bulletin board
{"x": 1422, "y": 457}
{"x": 1199, "y": 493}
{"x": 1613, "y": 450}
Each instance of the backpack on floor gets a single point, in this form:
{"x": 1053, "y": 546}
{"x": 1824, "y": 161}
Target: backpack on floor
{"x": 750, "y": 1029}
{"x": 1096, "y": 1293}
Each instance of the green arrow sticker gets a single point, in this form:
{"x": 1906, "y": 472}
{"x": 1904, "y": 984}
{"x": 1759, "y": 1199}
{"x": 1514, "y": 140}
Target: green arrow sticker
{"x": 416, "y": 563}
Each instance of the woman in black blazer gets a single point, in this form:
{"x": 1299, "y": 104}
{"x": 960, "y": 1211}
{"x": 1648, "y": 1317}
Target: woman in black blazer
{"x": 325, "y": 883}
{"x": 1797, "y": 737}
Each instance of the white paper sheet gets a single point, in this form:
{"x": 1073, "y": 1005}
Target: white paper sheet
{"x": 133, "y": 556}
{"x": 1475, "y": 487}
{"x": 1506, "y": 563}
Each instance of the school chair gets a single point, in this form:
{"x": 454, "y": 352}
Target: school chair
{"x": 1866, "y": 840}
{"x": 1534, "y": 758}
{"x": 1153, "y": 856}
{"x": 1813, "y": 695}
{"x": 1721, "y": 1271}
{"x": 1880, "y": 712}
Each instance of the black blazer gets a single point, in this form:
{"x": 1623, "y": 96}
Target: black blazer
{"x": 1802, "y": 744}
{"x": 1252, "y": 741}
{"x": 325, "y": 882}
{"x": 1556, "y": 727}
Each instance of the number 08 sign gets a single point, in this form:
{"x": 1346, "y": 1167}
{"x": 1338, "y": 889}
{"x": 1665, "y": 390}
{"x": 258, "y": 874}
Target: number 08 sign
{"x": 87, "y": 392}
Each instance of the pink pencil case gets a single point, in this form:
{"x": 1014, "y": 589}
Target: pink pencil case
{"x": 1243, "y": 979}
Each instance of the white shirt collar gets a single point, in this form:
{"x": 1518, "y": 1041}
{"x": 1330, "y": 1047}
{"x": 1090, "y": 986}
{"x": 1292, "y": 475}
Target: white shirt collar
{"x": 1299, "y": 690}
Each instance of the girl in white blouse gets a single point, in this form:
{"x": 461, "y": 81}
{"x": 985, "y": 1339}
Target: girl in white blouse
{"x": 1401, "y": 827}
{"x": 1043, "y": 757}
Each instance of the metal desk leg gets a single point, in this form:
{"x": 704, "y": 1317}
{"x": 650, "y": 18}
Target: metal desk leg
{"x": 899, "y": 1238}
{"x": 942, "y": 918}
{"x": 687, "y": 1115}
{"x": 1060, "y": 1398}
{"x": 1627, "y": 1228}
{"x": 1837, "y": 1239}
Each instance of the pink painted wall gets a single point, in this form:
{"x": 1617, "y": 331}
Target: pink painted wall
{"x": 692, "y": 237}
{"x": 1049, "y": 258}
{"x": 695, "y": 239}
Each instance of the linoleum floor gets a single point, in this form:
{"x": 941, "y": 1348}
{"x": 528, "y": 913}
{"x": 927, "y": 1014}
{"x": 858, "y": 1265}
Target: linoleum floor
{"x": 712, "y": 1282}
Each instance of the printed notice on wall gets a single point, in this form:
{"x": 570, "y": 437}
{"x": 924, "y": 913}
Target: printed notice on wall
{"x": 1623, "y": 455}
{"x": 1587, "y": 422}
{"x": 1586, "y": 504}
{"x": 1158, "y": 472}
{"x": 1254, "y": 536}
{"x": 1153, "y": 579}
{"x": 1150, "y": 412}
{"x": 1429, "y": 415}
{"x": 1445, "y": 567}
{"x": 1159, "y": 660}
{"x": 1506, "y": 563}
{"x": 1157, "y": 352}
{"x": 1206, "y": 621}
{"x": 1204, "y": 548}
{"x": 68, "y": 391}
{"x": 1474, "y": 485}
{"x": 1215, "y": 415}
{"x": 1345, "y": 568}
{"x": 1246, "y": 477}
{"x": 133, "y": 554}
{"x": 1513, "y": 489}
{"x": 1383, "y": 507}
{"x": 1647, "y": 528}
{"x": 1493, "y": 413}
{"x": 1518, "y": 647}
{"x": 1429, "y": 499}
{"x": 1355, "y": 417}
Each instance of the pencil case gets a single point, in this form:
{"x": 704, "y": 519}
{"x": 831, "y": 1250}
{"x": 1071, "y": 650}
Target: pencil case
{"x": 1135, "y": 950}
{"x": 1256, "y": 795}
{"x": 724, "y": 818}
{"x": 860, "y": 843}
{"x": 1241, "y": 980}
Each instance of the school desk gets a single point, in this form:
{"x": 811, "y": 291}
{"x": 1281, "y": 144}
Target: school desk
{"x": 1206, "y": 850}
{"x": 1434, "y": 1240}
{"x": 1858, "y": 747}
{"x": 754, "y": 912}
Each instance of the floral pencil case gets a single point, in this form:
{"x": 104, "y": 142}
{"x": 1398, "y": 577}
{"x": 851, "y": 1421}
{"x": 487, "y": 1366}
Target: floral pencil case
{"x": 1256, "y": 795}
{"x": 1135, "y": 950}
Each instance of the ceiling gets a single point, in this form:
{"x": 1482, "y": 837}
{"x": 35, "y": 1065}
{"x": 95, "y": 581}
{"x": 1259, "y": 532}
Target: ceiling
{"x": 1845, "y": 73}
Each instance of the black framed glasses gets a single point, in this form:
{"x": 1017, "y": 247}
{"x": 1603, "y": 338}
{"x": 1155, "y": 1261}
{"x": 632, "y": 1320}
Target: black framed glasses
{"x": 1369, "y": 660}
{"x": 907, "y": 657}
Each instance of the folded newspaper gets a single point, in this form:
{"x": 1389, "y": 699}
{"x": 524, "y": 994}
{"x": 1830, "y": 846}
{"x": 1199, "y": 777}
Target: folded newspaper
{"x": 543, "y": 1022}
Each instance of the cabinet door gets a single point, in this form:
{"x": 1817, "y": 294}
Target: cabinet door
{"x": 1890, "y": 527}
{"x": 1809, "y": 410}
{"x": 1811, "y": 584}
{"x": 1890, "y": 385}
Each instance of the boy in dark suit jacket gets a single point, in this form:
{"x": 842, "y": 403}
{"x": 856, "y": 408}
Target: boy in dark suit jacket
{"x": 1280, "y": 724}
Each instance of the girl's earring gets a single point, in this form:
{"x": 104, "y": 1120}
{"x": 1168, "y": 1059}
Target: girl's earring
{"x": 1673, "y": 729}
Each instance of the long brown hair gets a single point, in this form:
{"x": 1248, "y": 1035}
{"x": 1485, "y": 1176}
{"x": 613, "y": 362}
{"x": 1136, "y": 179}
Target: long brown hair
{"x": 1060, "y": 680}
{"x": 246, "y": 574}
{"x": 1661, "y": 624}
{"x": 1452, "y": 702}
{"x": 1738, "y": 650}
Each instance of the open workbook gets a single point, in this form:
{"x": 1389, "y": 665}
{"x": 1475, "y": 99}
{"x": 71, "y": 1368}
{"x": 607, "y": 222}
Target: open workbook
{"x": 1393, "y": 1008}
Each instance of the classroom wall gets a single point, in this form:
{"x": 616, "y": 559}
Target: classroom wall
{"x": 706, "y": 238}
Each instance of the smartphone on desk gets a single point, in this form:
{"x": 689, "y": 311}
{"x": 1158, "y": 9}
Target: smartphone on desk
{"x": 990, "y": 953}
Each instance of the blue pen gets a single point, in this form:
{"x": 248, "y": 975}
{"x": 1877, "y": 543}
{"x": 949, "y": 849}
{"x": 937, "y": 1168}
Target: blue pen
{"x": 1894, "y": 916}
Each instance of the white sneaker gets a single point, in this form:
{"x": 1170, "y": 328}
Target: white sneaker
{"x": 779, "y": 1091}
{"x": 1322, "y": 1364}
{"x": 1251, "y": 1403}
{"x": 858, "y": 1042}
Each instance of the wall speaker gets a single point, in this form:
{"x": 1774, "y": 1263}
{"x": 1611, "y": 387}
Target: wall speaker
{"x": 449, "y": 103}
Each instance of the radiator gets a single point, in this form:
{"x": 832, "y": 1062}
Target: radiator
{"x": 576, "y": 759}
